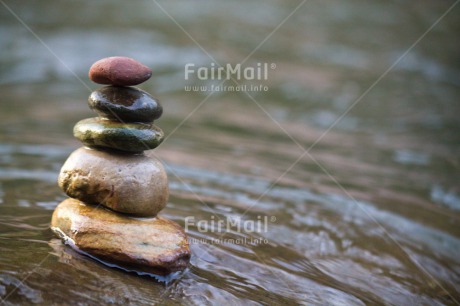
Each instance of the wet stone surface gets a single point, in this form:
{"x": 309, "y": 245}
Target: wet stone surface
{"x": 129, "y": 137}
{"x": 155, "y": 245}
{"x": 125, "y": 103}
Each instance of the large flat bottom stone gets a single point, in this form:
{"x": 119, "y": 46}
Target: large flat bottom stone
{"x": 154, "y": 245}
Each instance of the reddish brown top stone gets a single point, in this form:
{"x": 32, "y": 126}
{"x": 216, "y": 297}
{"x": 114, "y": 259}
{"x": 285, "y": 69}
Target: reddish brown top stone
{"x": 119, "y": 71}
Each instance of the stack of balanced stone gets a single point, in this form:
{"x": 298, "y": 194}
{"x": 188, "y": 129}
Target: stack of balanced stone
{"x": 115, "y": 190}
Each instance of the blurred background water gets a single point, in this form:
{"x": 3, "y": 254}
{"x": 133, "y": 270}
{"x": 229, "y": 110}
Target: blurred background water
{"x": 370, "y": 215}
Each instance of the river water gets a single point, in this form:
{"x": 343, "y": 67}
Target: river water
{"x": 350, "y": 156}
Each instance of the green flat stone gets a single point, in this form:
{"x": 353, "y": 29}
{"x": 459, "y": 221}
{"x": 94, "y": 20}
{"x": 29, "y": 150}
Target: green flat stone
{"x": 128, "y": 137}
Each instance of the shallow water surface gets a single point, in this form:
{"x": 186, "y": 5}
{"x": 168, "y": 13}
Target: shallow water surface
{"x": 354, "y": 165}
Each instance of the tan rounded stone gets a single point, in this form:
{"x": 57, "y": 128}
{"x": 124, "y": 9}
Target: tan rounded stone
{"x": 126, "y": 183}
{"x": 155, "y": 245}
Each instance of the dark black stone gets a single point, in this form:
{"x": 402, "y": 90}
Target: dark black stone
{"x": 125, "y": 104}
